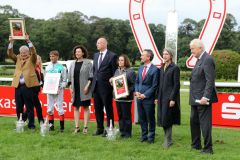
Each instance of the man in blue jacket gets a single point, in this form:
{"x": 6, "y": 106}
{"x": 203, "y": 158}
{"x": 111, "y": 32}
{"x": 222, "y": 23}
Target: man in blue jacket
{"x": 145, "y": 88}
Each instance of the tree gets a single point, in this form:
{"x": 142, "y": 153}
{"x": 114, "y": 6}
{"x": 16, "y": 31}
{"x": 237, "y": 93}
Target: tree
{"x": 68, "y": 29}
{"x": 188, "y": 28}
{"x": 186, "y": 32}
{"x": 228, "y": 35}
{"x": 133, "y": 50}
{"x": 158, "y": 33}
{"x": 116, "y": 31}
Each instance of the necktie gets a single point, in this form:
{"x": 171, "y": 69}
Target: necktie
{"x": 144, "y": 72}
{"x": 196, "y": 64}
{"x": 197, "y": 60}
{"x": 100, "y": 60}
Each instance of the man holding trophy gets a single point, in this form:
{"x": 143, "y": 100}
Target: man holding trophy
{"x": 24, "y": 78}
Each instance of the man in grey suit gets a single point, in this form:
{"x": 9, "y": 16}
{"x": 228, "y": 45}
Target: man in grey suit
{"x": 202, "y": 95}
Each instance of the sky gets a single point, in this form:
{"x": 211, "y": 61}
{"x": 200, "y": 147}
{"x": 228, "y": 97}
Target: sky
{"x": 155, "y": 10}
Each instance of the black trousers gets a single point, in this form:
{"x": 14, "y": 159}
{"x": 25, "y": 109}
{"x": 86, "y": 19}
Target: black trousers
{"x": 125, "y": 117}
{"x": 36, "y": 103}
{"x": 103, "y": 98}
{"x": 201, "y": 120}
{"x": 146, "y": 114}
{"x": 23, "y": 96}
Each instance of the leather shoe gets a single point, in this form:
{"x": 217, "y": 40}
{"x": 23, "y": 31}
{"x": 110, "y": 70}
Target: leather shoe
{"x": 31, "y": 127}
{"x": 150, "y": 141}
{"x": 207, "y": 151}
{"x": 51, "y": 128}
{"x": 197, "y": 148}
{"x": 98, "y": 132}
{"x": 122, "y": 135}
{"x": 127, "y": 136}
{"x": 143, "y": 140}
{"x": 166, "y": 145}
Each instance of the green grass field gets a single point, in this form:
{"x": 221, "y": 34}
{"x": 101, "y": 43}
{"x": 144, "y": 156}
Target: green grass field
{"x": 67, "y": 146}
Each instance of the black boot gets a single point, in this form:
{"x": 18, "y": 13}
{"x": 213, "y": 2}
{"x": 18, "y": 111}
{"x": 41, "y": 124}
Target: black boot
{"x": 51, "y": 124}
{"x": 61, "y": 126}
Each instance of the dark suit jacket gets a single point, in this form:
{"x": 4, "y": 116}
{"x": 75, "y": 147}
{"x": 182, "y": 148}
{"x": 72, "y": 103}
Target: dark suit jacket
{"x": 105, "y": 71}
{"x": 169, "y": 89}
{"x": 149, "y": 85}
{"x": 202, "y": 80}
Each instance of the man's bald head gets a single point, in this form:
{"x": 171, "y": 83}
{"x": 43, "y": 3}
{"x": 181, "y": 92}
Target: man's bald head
{"x": 102, "y": 44}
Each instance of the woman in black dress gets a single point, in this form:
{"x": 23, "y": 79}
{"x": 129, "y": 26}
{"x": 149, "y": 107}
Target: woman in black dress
{"x": 80, "y": 77}
{"x": 168, "y": 96}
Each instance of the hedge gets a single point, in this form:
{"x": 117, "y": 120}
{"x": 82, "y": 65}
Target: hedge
{"x": 227, "y": 62}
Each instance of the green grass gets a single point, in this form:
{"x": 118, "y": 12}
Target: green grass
{"x": 67, "y": 146}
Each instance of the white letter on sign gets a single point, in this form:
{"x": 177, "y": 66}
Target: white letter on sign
{"x": 231, "y": 110}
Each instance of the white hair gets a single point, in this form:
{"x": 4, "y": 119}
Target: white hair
{"x": 198, "y": 43}
{"x": 22, "y": 48}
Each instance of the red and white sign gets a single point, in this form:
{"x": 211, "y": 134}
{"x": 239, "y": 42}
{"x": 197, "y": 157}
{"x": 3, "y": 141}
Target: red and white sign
{"x": 224, "y": 113}
{"x": 209, "y": 34}
{"x": 212, "y": 28}
{"x": 8, "y": 105}
{"x": 227, "y": 111}
{"x": 141, "y": 30}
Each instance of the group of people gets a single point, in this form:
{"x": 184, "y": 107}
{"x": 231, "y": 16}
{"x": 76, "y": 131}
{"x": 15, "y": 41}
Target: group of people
{"x": 151, "y": 85}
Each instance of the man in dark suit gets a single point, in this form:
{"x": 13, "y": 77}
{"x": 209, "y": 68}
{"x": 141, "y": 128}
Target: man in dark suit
{"x": 202, "y": 95}
{"x": 145, "y": 88}
{"x": 104, "y": 67}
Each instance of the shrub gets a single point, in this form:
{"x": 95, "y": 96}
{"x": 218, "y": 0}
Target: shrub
{"x": 185, "y": 75}
{"x": 228, "y": 89}
{"x": 227, "y": 62}
{"x": 182, "y": 64}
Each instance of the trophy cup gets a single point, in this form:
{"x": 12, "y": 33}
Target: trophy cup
{"x": 44, "y": 127}
{"x": 111, "y": 132}
{"x": 20, "y": 125}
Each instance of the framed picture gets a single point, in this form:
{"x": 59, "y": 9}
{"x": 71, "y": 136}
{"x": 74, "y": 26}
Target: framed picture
{"x": 120, "y": 87}
{"x": 17, "y": 28}
{"x": 51, "y": 83}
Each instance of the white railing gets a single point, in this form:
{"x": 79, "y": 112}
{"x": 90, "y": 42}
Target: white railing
{"x": 10, "y": 65}
{"x": 6, "y": 79}
{"x": 219, "y": 84}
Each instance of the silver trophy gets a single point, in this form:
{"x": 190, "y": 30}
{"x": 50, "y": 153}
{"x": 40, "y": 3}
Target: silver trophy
{"x": 20, "y": 125}
{"x": 44, "y": 127}
{"x": 111, "y": 132}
